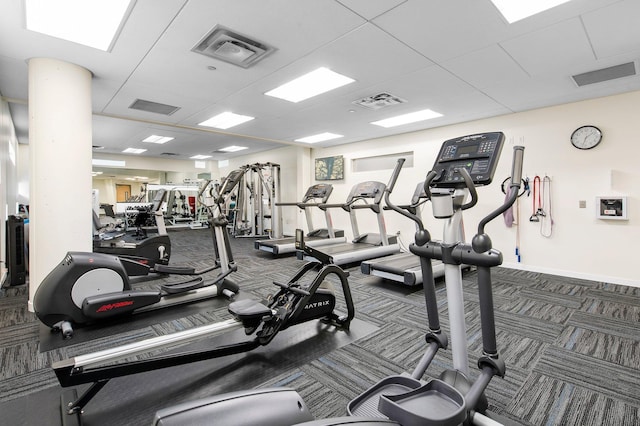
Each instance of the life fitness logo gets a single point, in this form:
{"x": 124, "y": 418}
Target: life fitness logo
{"x": 111, "y": 306}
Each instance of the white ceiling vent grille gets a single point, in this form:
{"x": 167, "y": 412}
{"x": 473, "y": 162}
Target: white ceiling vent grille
{"x": 226, "y": 45}
{"x": 381, "y": 100}
{"x": 155, "y": 107}
{"x": 605, "y": 74}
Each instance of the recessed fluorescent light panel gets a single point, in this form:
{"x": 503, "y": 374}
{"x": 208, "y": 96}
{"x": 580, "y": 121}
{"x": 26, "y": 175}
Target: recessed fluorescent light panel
{"x": 320, "y": 137}
{"x": 516, "y": 10}
{"x": 90, "y": 23}
{"x": 158, "y": 139}
{"x": 233, "y": 148}
{"x": 412, "y": 117}
{"x": 200, "y": 157}
{"x": 108, "y": 163}
{"x": 134, "y": 151}
{"x": 309, "y": 85}
{"x": 226, "y": 120}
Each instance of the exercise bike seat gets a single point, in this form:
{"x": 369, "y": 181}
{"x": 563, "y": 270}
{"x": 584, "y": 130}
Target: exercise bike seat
{"x": 248, "y": 310}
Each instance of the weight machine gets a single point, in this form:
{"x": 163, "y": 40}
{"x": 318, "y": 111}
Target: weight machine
{"x": 257, "y": 196}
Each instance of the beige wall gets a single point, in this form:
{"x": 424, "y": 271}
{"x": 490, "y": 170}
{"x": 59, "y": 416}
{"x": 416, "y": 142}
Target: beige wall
{"x": 581, "y": 245}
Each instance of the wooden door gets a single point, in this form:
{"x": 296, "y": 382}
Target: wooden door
{"x": 123, "y": 192}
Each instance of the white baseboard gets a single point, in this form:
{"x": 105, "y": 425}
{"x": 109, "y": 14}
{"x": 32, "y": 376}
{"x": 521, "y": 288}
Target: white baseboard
{"x": 572, "y": 274}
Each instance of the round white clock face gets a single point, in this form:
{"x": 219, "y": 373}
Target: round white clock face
{"x": 586, "y": 137}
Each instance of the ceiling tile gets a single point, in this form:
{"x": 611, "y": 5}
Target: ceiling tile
{"x": 614, "y": 30}
{"x": 485, "y": 67}
{"x": 540, "y": 52}
{"x": 369, "y": 9}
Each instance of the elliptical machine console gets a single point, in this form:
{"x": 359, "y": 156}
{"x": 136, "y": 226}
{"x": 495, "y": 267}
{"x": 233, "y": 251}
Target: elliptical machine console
{"x": 477, "y": 154}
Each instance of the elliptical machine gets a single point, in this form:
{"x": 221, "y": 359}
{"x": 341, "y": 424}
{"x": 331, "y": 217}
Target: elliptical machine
{"x": 90, "y": 288}
{"x": 453, "y": 399}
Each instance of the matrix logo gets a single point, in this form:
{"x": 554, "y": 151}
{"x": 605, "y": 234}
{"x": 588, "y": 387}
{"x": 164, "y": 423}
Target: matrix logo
{"x": 110, "y": 306}
{"x": 317, "y": 304}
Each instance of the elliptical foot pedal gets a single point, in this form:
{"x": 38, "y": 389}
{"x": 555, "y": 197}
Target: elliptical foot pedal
{"x": 366, "y": 404}
{"x": 435, "y": 403}
{"x": 181, "y": 287}
{"x": 175, "y": 270}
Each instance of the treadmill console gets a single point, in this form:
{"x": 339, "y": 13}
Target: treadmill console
{"x": 320, "y": 191}
{"x": 370, "y": 189}
{"x": 479, "y": 154}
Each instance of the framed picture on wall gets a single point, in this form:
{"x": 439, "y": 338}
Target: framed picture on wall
{"x": 330, "y": 168}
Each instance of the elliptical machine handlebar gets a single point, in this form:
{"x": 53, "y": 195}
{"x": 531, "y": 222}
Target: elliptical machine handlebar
{"x": 481, "y": 241}
{"x": 468, "y": 181}
{"x": 516, "y": 179}
{"x": 389, "y": 190}
{"x": 394, "y": 175}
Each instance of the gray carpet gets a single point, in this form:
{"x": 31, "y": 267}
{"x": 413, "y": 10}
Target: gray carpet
{"x": 572, "y": 347}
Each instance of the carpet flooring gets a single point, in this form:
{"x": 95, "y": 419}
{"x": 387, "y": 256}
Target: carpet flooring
{"x": 571, "y": 346}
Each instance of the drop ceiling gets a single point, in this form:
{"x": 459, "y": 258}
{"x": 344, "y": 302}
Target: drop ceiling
{"x": 457, "y": 57}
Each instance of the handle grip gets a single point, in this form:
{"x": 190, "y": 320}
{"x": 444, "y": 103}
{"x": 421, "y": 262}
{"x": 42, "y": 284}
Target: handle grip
{"x": 516, "y": 169}
{"x": 516, "y": 180}
{"x": 395, "y": 174}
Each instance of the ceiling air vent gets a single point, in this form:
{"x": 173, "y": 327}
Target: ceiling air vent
{"x": 169, "y": 154}
{"x": 381, "y": 100}
{"x": 155, "y": 107}
{"x": 226, "y": 45}
{"x": 605, "y": 74}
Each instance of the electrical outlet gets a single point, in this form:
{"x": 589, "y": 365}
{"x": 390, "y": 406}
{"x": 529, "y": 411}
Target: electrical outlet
{"x": 582, "y": 204}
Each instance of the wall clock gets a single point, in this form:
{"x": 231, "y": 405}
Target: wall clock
{"x": 586, "y": 137}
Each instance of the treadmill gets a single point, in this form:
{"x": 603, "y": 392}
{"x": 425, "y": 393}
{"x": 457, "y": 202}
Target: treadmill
{"x": 315, "y": 196}
{"x": 405, "y": 267}
{"x": 363, "y": 246}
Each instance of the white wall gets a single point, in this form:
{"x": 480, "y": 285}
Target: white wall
{"x": 581, "y": 245}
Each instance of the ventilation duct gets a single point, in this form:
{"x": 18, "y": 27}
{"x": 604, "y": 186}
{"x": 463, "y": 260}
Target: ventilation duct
{"x": 154, "y": 107}
{"x": 226, "y": 45}
{"x": 381, "y": 100}
{"x": 605, "y": 74}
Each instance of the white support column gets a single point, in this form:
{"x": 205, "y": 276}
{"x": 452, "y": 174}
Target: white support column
{"x": 60, "y": 158}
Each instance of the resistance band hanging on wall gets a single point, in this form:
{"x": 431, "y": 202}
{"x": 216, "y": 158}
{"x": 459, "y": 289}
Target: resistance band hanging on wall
{"x": 537, "y": 212}
{"x": 542, "y": 205}
{"x": 546, "y": 224}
